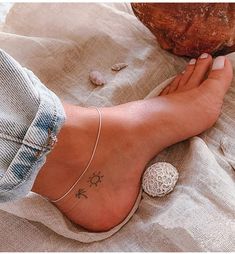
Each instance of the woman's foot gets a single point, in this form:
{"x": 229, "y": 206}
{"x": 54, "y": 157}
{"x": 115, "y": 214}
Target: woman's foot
{"x": 131, "y": 135}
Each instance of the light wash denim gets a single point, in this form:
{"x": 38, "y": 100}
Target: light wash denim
{"x": 30, "y": 118}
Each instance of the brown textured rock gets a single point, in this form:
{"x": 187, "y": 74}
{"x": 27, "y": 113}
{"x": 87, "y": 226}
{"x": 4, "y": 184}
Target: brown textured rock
{"x": 190, "y": 29}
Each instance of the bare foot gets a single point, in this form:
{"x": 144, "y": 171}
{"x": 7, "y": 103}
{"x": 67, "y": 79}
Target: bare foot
{"x": 131, "y": 135}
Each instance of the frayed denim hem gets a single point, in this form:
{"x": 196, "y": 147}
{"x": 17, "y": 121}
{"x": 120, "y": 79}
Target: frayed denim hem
{"x": 35, "y": 133}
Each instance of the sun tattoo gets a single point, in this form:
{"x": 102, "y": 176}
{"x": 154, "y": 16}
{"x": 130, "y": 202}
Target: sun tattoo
{"x": 95, "y": 179}
{"x": 80, "y": 193}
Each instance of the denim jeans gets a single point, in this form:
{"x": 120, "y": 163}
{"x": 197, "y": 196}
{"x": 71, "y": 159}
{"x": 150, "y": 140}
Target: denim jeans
{"x": 30, "y": 118}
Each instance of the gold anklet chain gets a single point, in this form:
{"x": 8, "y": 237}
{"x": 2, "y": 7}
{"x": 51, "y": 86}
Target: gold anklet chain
{"x": 89, "y": 162}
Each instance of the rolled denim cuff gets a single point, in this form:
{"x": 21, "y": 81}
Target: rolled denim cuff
{"x": 31, "y": 117}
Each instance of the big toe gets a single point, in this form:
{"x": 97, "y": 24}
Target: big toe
{"x": 220, "y": 77}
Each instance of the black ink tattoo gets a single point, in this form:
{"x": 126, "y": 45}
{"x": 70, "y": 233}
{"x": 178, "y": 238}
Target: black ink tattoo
{"x": 95, "y": 179}
{"x": 81, "y": 193}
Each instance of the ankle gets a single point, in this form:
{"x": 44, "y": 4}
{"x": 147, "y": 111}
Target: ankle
{"x": 70, "y": 155}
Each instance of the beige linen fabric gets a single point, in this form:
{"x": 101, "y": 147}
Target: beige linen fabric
{"x": 61, "y": 43}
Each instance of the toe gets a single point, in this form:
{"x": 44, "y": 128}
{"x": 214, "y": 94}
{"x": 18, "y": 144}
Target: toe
{"x": 175, "y": 83}
{"x": 165, "y": 90}
{"x": 200, "y": 71}
{"x": 220, "y": 77}
{"x": 186, "y": 74}
{"x": 172, "y": 86}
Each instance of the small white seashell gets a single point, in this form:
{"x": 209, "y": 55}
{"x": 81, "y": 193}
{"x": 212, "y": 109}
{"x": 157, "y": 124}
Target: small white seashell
{"x": 97, "y": 78}
{"x": 119, "y": 66}
{"x": 159, "y": 179}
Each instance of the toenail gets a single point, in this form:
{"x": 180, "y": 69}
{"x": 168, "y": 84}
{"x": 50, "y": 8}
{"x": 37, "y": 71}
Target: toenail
{"x": 218, "y": 63}
{"x": 192, "y": 61}
{"x": 204, "y": 55}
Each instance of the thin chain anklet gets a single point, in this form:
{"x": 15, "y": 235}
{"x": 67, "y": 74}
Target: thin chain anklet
{"x": 89, "y": 162}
